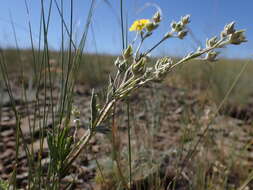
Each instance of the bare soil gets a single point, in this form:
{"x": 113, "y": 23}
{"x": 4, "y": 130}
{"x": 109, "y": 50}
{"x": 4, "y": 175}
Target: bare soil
{"x": 166, "y": 123}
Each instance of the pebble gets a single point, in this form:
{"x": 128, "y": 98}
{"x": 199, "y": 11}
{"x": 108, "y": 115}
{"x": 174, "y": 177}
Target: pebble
{"x": 8, "y": 153}
{"x": 10, "y": 144}
{"x": 7, "y": 133}
{"x": 5, "y": 118}
{"x": 95, "y": 148}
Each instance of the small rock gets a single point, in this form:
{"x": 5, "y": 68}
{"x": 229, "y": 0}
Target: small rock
{"x": 16, "y": 102}
{"x": 10, "y": 144}
{"x": 7, "y": 133}
{"x": 4, "y": 176}
{"x": 6, "y": 125}
{"x": 8, "y": 169}
{"x": 95, "y": 148}
{"x": 10, "y": 138}
{"x": 5, "y": 118}
{"x": 7, "y": 154}
{"x": 22, "y": 176}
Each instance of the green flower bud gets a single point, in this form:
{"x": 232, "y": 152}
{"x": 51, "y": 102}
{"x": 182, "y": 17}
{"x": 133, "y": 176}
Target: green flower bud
{"x": 173, "y": 25}
{"x": 157, "y": 17}
{"x": 121, "y": 64}
{"x": 179, "y": 27}
{"x": 139, "y": 68}
{"x": 186, "y": 19}
{"x": 128, "y": 52}
{"x": 237, "y": 37}
{"x": 223, "y": 34}
{"x": 211, "y": 42}
{"x": 182, "y": 34}
{"x": 151, "y": 26}
{"x": 163, "y": 62}
{"x": 211, "y": 56}
{"x": 230, "y": 28}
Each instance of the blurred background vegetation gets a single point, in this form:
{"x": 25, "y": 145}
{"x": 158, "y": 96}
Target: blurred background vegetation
{"x": 212, "y": 80}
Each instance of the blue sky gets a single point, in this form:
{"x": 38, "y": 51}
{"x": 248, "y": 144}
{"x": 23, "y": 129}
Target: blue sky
{"x": 208, "y": 18}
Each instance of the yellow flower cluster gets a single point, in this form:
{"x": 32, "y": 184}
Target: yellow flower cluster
{"x": 139, "y": 25}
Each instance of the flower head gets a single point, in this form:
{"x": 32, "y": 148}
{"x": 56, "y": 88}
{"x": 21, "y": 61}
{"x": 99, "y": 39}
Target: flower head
{"x": 139, "y": 25}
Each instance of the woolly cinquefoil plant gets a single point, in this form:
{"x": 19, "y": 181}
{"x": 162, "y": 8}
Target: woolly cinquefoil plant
{"x": 134, "y": 72}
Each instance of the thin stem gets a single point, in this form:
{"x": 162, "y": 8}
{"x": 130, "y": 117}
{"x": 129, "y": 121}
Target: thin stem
{"x": 187, "y": 58}
{"x": 139, "y": 47}
{"x": 129, "y": 143}
{"x": 87, "y": 136}
{"x": 100, "y": 170}
{"x": 122, "y": 24}
{"x": 155, "y": 46}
